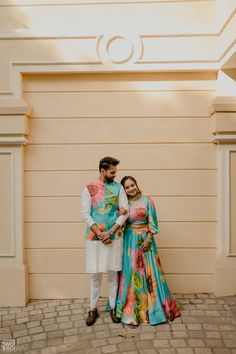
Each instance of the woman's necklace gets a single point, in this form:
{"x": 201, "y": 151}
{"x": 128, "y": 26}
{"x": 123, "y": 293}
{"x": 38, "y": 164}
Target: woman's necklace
{"x": 136, "y": 197}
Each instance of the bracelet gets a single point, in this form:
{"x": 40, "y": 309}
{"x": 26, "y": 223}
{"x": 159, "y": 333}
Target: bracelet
{"x": 110, "y": 232}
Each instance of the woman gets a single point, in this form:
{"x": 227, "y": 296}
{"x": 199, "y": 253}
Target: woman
{"x": 144, "y": 296}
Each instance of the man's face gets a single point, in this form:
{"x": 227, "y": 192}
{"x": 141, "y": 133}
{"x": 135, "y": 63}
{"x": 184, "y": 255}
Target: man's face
{"x": 110, "y": 174}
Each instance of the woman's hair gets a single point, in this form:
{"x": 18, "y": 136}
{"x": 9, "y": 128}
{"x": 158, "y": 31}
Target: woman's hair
{"x": 125, "y": 178}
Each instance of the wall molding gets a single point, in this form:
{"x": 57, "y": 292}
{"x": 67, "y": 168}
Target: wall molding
{"x": 224, "y": 199}
{"x": 9, "y": 152}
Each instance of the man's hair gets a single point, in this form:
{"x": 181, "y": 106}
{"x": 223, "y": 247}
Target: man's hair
{"x": 106, "y": 162}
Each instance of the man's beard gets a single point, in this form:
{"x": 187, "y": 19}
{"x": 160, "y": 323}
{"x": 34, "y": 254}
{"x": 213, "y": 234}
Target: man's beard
{"x": 109, "y": 179}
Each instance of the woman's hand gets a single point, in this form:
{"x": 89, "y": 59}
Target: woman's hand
{"x": 122, "y": 211}
{"x": 145, "y": 247}
{"x": 105, "y": 237}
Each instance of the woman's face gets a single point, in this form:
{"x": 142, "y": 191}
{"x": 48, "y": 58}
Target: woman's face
{"x": 131, "y": 188}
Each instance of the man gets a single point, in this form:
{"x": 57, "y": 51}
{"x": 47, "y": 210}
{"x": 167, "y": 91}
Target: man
{"x": 101, "y": 201}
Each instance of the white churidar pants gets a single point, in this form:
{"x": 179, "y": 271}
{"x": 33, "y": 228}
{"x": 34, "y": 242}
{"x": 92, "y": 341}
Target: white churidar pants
{"x": 95, "y": 286}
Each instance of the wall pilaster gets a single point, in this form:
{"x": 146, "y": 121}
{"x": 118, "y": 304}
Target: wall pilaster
{"x": 224, "y": 132}
{"x": 13, "y": 270}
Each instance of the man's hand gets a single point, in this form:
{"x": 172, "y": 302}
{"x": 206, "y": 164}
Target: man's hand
{"x": 105, "y": 237}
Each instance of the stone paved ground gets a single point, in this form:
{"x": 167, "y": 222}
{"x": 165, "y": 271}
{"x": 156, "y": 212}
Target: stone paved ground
{"x": 207, "y": 325}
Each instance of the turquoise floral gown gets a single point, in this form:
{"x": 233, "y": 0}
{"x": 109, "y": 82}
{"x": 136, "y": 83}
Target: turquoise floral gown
{"x": 144, "y": 296}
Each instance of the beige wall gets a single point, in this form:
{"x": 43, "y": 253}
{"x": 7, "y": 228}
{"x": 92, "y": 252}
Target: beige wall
{"x": 232, "y": 246}
{"x": 6, "y": 240}
{"x": 158, "y": 126}
{"x": 167, "y": 61}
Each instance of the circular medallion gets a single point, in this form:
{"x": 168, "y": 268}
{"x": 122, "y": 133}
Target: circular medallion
{"x": 119, "y": 49}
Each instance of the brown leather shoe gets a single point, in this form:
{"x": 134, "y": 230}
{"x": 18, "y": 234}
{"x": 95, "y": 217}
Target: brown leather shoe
{"x": 113, "y": 316}
{"x": 92, "y": 317}
{"x": 172, "y": 316}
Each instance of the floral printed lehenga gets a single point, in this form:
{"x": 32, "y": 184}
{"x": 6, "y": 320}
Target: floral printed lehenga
{"x": 144, "y": 296}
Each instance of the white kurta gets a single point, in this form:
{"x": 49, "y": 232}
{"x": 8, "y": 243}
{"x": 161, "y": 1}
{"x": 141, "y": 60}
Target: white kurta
{"x": 100, "y": 257}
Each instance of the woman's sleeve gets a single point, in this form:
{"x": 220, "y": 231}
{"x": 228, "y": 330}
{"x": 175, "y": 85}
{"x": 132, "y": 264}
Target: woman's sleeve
{"x": 152, "y": 217}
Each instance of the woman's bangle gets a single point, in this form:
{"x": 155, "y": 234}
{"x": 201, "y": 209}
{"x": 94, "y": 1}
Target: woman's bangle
{"x": 110, "y": 232}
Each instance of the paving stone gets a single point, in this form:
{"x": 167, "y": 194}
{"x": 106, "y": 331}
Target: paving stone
{"x": 23, "y": 340}
{"x": 22, "y": 348}
{"x": 126, "y": 346}
{"x": 167, "y": 351}
{"x": 52, "y": 327}
{"x": 115, "y": 340}
{"x": 64, "y": 313}
{"x": 210, "y": 327}
{"x": 144, "y": 336}
{"x": 21, "y": 333}
{"x": 93, "y": 351}
{"x": 56, "y": 334}
{"x": 63, "y": 319}
{"x": 36, "y": 330}
{"x": 203, "y": 351}
{"x": 144, "y": 351}
{"x": 8, "y": 323}
{"x": 161, "y": 343}
{"x": 230, "y": 343}
{"x": 196, "y": 334}
{"x": 65, "y": 325}
{"x": 99, "y": 342}
{"x": 213, "y": 334}
{"x": 178, "y": 343}
{"x": 38, "y": 344}
{"x": 71, "y": 339}
{"x": 163, "y": 335}
{"x": 5, "y": 336}
{"x": 33, "y": 324}
{"x": 194, "y": 326}
{"x": 214, "y": 343}
{"x": 8, "y": 317}
{"x": 109, "y": 349}
{"x": 144, "y": 344}
{"x": 4, "y": 330}
{"x": 228, "y": 335}
{"x": 207, "y": 325}
{"x": 102, "y": 334}
{"x": 185, "y": 351}
{"x": 180, "y": 334}
{"x": 48, "y": 321}
{"x": 39, "y": 336}
{"x": 54, "y": 341}
{"x": 197, "y": 312}
{"x": 50, "y": 315}
{"x": 86, "y": 336}
{"x": 18, "y": 327}
{"x": 178, "y": 327}
{"x": 196, "y": 343}
{"x": 52, "y": 350}
{"x": 225, "y": 327}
